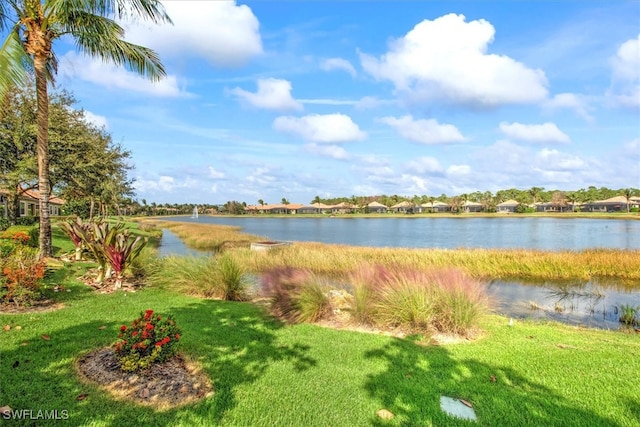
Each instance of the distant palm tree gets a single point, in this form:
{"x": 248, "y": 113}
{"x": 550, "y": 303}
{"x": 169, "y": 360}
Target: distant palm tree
{"x": 33, "y": 26}
{"x": 628, "y": 192}
{"x": 534, "y": 192}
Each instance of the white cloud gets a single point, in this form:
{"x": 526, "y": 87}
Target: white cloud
{"x": 272, "y": 94}
{"x": 73, "y": 66}
{"x": 215, "y": 174}
{"x": 554, "y": 160}
{"x": 425, "y": 165}
{"x": 570, "y": 101}
{"x": 626, "y": 74}
{"x": 544, "y": 133}
{"x": 447, "y": 59}
{"x": 328, "y": 128}
{"x": 333, "y": 151}
{"x": 332, "y": 64}
{"x": 458, "y": 170}
{"x": 222, "y": 32}
{"x": 369, "y": 102}
{"x": 163, "y": 183}
{"x": 413, "y": 184}
{"x": 633, "y": 146}
{"x": 626, "y": 63}
{"x": 424, "y": 131}
{"x": 96, "y": 119}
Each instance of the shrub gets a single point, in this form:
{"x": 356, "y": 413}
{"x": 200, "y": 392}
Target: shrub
{"x": 120, "y": 249}
{"x": 26, "y": 235}
{"x": 4, "y": 223}
{"x": 296, "y": 295}
{"x": 6, "y": 248}
{"x": 27, "y": 220}
{"x": 149, "y": 339}
{"x": 75, "y": 230}
{"x": 22, "y": 275}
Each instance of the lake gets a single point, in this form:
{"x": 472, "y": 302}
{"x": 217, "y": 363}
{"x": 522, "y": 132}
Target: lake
{"x": 580, "y": 303}
{"x": 450, "y": 233}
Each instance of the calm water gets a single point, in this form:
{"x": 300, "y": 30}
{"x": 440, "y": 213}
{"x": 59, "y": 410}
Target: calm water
{"x": 451, "y": 233}
{"x": 580, "y": 303}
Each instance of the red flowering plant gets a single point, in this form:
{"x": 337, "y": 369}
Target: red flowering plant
{"x": 149, "y": 339}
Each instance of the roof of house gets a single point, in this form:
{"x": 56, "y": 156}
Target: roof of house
{"x": 470, "y": 203}
{"x": 403, "y": 204}
{"x": 510, "y": 202}
{"x": 343, "y": 205}
{"x": 35, "y": 195}
{"x": 434, "y": 204}
{"x": 376, "y": 205}
{"x": 616, "y": 199}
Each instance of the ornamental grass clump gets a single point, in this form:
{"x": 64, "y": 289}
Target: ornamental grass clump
{"x": 462, "y": 301}
{"x": 296, "y": 295}
{"x": 407, "y": 300}
{"x": 421, "y": 301}
{"x": 149, "y": 339}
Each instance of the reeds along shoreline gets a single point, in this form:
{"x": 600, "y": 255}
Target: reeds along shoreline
{"x": 339, "y": 260}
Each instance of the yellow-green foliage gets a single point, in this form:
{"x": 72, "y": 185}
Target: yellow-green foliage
{"x": 339, "y": 260}
{"x": 336, "y": 260}
{"x": 210, "y": 237}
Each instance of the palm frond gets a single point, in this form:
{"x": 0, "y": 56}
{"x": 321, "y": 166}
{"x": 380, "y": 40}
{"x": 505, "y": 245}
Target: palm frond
{"x": 14, "y": 62}
{"x": 101, "y": 37}
{"x": 151, "y": 10}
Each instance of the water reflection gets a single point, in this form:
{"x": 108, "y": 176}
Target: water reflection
{"x": 170, "y": 244}
{"x": 592, "y": 304}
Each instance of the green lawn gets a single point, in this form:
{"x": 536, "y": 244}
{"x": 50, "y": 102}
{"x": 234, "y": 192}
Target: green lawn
{"x": 268, "y": 374}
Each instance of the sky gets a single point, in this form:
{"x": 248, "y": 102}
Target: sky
{"x": 265, "y": 100}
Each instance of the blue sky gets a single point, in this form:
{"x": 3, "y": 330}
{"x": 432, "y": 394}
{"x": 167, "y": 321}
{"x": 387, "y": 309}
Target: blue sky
{"x": 271, "y": 99}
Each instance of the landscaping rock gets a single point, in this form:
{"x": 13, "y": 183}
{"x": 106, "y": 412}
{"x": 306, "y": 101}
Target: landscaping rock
{"x": 385, "y": 414}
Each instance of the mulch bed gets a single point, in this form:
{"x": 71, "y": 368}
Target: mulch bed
{"x": 163, "y": 386}
{"x": 37, "y": 306}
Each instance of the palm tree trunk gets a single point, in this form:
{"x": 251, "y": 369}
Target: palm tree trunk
{"x": 42, "y": 118}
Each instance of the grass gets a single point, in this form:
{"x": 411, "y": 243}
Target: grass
{"x": 265, "y": 373}
{"x": 338, "y": 260}
{"x": 208, "y": 236}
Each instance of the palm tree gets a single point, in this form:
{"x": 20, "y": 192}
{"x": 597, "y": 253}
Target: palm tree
{"x": 34, "y": 25}
{"x": 628, "y": 192}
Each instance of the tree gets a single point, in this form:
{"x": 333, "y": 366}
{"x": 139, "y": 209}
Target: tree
{"x": 82, "y": 156}
{"x": 534, "y": 192}
{"x": 17, "y": 147}
{"x": 33, "y": 27}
